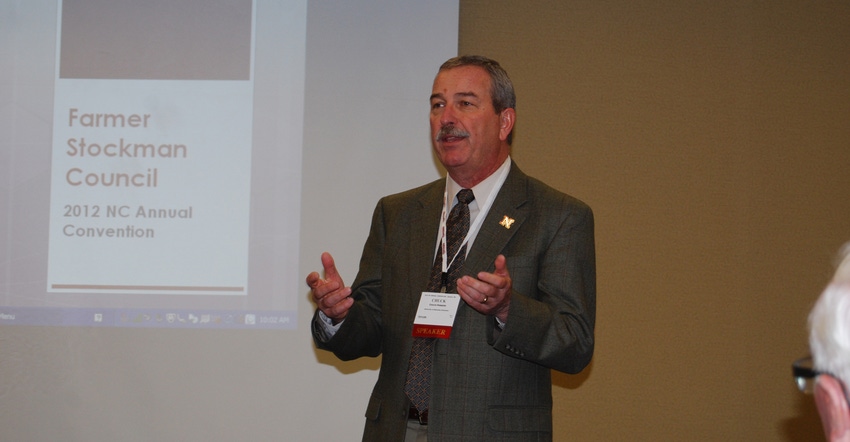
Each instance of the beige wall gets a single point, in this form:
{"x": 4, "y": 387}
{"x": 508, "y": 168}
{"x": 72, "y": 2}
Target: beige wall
{"x": 712, "y": 140}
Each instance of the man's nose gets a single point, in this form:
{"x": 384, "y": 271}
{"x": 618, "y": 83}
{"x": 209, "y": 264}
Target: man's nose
{"x": 447, "y": 116}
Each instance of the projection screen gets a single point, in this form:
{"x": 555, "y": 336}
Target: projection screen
{"x": 152, "y": 162}
{"x": 170, "y": 171}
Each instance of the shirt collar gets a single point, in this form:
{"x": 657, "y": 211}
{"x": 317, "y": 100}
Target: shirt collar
{"x": 481, "y": 190}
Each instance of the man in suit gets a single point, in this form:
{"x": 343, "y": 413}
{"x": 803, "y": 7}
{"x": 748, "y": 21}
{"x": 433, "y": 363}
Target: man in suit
{"x": 525, "y": 275}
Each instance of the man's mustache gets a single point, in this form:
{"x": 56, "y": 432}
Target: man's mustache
{"x": 451, "y": 131}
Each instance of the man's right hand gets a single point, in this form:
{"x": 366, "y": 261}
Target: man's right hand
{"x": 331, "y": 295}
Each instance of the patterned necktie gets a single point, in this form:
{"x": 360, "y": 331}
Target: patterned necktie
{"x": 417, "y": 387}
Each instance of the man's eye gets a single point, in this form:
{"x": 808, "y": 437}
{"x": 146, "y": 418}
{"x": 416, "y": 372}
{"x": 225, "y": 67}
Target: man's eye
{"x": 437, "y": 105}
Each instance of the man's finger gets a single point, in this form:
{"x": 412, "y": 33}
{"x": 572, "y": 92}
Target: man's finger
{"x": 501, "y": 265}
{"x": 313, "y": 280}
{"x": 330, "y": 267}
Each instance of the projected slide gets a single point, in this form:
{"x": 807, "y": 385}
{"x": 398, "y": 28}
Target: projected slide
{"x": 164, "y": 190}
{"x": 129, "y": 158}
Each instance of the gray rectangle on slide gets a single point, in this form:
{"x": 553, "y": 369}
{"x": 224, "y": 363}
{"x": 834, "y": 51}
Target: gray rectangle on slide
{"x": 156, "y": 39}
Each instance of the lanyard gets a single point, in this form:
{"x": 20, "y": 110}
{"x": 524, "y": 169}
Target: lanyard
{"x": 479, "y": 220}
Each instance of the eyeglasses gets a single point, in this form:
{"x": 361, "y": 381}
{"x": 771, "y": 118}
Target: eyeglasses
{"x": 805, "y": 374}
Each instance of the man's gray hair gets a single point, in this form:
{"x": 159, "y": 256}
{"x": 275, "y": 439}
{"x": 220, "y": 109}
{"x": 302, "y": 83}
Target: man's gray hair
{"x": 501, "y": 88}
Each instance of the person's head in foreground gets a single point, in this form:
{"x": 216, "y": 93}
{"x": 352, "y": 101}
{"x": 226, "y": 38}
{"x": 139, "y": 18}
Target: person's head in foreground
{"x": 829, "y": 341}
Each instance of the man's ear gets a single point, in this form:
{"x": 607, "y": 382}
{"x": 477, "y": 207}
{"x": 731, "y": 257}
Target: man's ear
{"x": 833, "y": 408}
{"x": 507, "y": 118}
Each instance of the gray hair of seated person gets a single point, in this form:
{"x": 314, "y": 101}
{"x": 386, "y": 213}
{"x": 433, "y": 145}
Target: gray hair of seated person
{"x": 829, "y": 324}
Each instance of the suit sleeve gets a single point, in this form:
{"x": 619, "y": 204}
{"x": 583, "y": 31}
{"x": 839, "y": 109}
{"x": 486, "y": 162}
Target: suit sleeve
{"x": 360, "y": 333}
{"x": 553, "y": 304}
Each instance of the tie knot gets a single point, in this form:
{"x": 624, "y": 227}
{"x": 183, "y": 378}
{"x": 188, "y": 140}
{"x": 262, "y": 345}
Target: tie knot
{"x": 465, "y": 196}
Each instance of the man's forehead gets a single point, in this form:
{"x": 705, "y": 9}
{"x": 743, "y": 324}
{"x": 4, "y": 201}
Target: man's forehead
{"x": 463, "y": 80}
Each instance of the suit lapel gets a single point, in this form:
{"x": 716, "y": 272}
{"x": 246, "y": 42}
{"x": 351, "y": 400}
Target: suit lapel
{"x": 423, "y": 235}
{"x": 506, "y": 216}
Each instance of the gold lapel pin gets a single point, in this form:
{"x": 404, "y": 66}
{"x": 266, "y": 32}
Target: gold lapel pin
{"x": 507, "y": 222}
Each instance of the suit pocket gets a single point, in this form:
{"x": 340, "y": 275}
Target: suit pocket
{"x": 519, "y": 419}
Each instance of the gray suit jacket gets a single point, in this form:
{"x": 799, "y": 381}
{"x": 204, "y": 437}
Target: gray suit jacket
{"x": 487, "y": 385}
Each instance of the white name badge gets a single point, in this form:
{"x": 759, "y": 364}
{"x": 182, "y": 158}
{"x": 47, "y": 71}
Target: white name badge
{"x": 435, "y": 315}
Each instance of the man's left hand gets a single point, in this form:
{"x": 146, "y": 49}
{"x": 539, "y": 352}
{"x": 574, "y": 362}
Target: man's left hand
{"x": 490, "y": 294}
